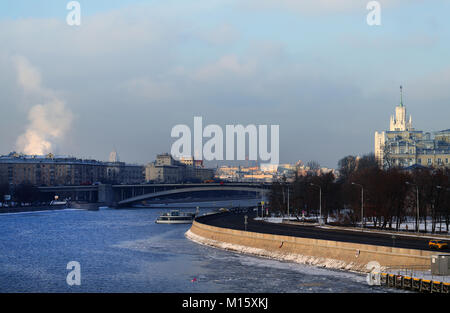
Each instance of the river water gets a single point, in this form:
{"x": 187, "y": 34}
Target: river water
{"x": 125, "y": 251}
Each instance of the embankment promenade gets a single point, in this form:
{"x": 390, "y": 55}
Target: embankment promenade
{"x": 335, "y": 254}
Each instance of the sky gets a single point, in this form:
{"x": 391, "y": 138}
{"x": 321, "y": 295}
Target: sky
{"x": 132, "y": 70}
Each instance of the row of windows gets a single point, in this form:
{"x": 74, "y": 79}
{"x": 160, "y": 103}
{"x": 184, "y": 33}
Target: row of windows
{"x": 439, "y": 161}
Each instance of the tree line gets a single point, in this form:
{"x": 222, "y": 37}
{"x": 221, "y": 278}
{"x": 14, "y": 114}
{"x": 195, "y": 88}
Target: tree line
{"x": 389, "y": 197}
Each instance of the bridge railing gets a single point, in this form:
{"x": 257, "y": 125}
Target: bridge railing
{"x": 408, "y": 270}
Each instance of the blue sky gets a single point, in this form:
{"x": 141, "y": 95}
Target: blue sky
{"x": 55, "y": 8}
{"x": 134, "y": 69}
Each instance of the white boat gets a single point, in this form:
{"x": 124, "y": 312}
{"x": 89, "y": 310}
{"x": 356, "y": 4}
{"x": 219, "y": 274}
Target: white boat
{"x": 175, "y": 217}
{"x": 56, "y": 202}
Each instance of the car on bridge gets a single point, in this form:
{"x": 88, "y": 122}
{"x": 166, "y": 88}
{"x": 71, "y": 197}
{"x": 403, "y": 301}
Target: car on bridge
{"x": 437, "y": 244}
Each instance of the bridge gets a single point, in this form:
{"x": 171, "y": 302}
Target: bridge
{"x": 132, "y": 194}
{"x": 189, "y": 190}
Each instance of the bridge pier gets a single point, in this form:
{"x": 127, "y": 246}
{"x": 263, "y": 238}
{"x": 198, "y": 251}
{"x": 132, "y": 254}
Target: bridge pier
{"x": 105, "y": 194}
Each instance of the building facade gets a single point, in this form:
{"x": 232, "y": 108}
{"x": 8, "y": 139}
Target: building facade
{"x": 165, "y": 169}
{"x": 51, "y": 170}
{"x": 123, "y": 173}
{"x": 403, "y": 146}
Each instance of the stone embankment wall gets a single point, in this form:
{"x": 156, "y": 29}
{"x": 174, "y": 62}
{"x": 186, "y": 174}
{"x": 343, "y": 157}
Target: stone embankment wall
{"x": 325, "y": 253}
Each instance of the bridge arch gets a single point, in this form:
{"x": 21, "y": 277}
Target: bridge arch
{"x": 187, "y": 190}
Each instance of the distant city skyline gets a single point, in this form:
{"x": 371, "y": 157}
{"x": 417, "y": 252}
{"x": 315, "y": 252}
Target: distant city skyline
{"x": 134, "y": 69}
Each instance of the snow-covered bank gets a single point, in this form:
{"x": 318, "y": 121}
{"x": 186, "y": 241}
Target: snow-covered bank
{"x": 291, "y": 257}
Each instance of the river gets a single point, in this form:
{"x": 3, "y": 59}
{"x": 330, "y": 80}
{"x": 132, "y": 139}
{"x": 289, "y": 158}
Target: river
{"x": 125, "y": 251}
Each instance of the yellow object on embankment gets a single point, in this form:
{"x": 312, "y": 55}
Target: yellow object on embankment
{"x": 326, "y": 253}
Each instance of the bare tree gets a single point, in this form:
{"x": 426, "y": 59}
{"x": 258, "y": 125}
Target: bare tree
{"x": 367, "y": 161}
{"x": 347, "y": 166}
{"x": 388, "y": 160}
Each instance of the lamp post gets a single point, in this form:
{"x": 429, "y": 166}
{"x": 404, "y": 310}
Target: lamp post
{"x": 320, "y": 200}
{"x": 362, "y": 203}
{"x": 288, "y": 203}
{"x": 440, "y": 217}
{"x": 417, "y": 204}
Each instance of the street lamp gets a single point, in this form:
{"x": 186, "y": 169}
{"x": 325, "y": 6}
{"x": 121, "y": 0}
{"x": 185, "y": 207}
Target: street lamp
{"x": 320, "y": 200}
{"x": 440, "y": 217}
{"x": 417, "y": 203}
{"x": 288, "y": 203}
{"x": 362, "y": 203}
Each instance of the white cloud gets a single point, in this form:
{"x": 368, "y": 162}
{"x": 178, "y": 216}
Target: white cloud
{"x": 27, "y": 76}
{"x": 319, "y": 6}
{"x": 222, "y": 34}
{"x": 151, "y": 89}
{"x": 225, "y": 65}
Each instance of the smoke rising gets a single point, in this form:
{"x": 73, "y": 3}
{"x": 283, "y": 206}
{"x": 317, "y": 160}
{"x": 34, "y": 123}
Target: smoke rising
{"x": 49, "y": 118}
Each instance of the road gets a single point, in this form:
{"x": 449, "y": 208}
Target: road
{"x": 236, "y": 221}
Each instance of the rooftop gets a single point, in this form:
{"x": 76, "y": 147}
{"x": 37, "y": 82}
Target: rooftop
{"x": 50, "y": 158}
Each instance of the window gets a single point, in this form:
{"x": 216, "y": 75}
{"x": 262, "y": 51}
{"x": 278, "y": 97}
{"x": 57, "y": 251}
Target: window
{"x": 429, "y": 161}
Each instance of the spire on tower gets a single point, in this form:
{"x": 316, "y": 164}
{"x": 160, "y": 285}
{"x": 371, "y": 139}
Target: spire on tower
{"x": 401, "y": 95}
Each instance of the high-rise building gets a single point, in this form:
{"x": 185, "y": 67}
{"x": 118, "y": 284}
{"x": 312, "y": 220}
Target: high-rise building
{"x": 113, "y": 156}
{"x": 404, "y": 146}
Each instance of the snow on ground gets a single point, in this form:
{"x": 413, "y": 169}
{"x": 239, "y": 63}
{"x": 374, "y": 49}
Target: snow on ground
{"x": 409, "y": 225}
{"x": 390, "y": 232}
{"x": 285, "y": 218}
{"x": 270, "y": 219}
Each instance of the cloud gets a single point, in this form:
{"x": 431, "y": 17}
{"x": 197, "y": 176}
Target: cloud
{"x": 151, "y": 89}
{"x": 222, "y": 34}
{"x": 27, "y": 76}
{"x": 226, "y": 65}
{"x": 318, "y": 7}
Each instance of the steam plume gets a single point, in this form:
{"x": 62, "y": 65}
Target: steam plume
{"x": 49, "y": 120}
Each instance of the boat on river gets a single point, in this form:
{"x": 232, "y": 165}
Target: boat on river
{"x": 176, "y": 217}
